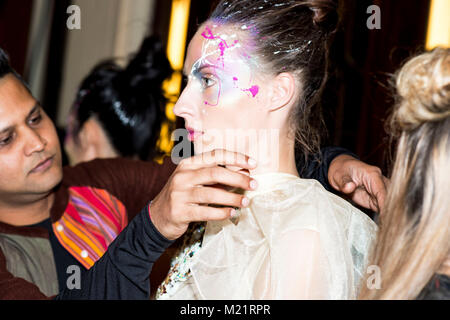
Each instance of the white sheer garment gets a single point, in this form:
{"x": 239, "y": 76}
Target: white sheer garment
{"x": 295, "y": 241}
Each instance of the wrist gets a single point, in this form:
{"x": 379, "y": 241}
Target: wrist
{"x": 154, "y": 224}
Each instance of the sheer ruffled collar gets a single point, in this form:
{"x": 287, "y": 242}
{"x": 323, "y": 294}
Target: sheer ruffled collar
{"x": 270, "y": 181}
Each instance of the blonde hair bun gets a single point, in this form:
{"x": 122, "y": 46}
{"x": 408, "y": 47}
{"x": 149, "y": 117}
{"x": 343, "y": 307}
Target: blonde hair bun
{"x": 423, "y": 88}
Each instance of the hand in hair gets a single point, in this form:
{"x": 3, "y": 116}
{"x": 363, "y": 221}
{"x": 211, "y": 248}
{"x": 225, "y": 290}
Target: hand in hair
{"x": 365, "y": 184}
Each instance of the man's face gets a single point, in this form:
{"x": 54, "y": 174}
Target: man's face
{"x": 30, "y": 155}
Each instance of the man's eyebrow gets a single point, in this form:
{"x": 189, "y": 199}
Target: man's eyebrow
{"x": 35, "y": 108}
{"x": 7, "y": 129}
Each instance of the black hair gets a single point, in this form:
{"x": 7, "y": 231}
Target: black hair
{"x": 5, "y": 67}
{"x": 128, "y": 103}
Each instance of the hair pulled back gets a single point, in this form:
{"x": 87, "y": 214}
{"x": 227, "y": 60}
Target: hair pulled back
{"x": 291, "y": 36}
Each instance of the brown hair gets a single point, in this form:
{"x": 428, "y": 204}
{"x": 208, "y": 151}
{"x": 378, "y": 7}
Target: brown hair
{"x": 414, "y": 236}
{"x": 291, "y": 36}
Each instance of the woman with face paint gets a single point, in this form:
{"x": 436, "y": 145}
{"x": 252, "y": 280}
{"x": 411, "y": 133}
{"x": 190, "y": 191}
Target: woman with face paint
{"x": 255, "y": 71}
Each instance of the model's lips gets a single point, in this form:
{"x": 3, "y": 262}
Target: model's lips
{"x": 193, "y": 134}
{"x": 43, "y": 166}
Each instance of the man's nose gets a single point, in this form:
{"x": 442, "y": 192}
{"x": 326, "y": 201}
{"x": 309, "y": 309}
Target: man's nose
{"x": 34, "y": 142}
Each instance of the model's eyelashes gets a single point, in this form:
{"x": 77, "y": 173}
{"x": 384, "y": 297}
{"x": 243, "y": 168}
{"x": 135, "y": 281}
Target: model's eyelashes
{"x": 207, "y": 81}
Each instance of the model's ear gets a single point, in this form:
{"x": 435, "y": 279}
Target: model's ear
{"x": 283, "y": 91}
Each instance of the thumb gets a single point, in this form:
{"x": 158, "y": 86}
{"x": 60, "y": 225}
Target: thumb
{"x": 344, "y": 183}
{"x": 348, "y": 186}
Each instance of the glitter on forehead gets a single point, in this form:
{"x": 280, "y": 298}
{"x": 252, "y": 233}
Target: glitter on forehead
{"x": 222, "y": 45}
{"x": 215, "y": 50}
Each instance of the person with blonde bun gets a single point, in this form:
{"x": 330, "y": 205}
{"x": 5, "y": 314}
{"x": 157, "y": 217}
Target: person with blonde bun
{"x": 413, "y": 248}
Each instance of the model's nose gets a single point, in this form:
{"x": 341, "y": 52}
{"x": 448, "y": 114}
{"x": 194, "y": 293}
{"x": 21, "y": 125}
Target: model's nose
{"x": 185, "y": 106}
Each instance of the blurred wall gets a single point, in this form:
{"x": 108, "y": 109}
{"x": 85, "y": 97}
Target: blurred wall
{"x": 109, "y": 29}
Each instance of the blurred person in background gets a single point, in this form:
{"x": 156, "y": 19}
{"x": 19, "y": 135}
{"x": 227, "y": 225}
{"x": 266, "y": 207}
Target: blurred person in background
{"x": 118, "y": 112}
{"x": 413, "y": 249}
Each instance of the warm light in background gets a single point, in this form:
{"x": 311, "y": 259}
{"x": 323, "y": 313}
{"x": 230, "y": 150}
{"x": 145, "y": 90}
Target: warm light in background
{"x": 438, "y": 33}
{"x": 176, "y": 44}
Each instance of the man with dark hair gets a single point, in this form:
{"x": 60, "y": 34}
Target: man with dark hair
{"x": 4, "y": 65}
{"x": 96, "y": 216}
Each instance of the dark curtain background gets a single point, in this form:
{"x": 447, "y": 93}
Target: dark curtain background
{"x": 14, "y": 29}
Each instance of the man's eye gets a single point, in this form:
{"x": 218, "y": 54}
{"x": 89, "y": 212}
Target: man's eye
{"x": 6, "y": 141}
{"x": 37, "y": 119}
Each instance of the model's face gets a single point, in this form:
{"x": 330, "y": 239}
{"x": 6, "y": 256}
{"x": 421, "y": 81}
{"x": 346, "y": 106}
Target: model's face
{"x": 30, "y": 155}
{"x": 225, "y": 95}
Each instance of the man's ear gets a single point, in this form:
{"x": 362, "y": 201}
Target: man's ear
{"x": 283, "y": 91}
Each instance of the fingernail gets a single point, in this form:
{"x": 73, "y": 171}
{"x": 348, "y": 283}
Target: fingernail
{"x": 253, "y": 184}
{"x": 233, "y": 212}
{"x": 252, "y": 162}
{"x": 245, "y": 201}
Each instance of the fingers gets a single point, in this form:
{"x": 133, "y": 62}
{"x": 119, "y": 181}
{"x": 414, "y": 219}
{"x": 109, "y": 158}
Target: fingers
{"x": 190, "y": 195}
{"x": 344, "y": 184}
{"x": 219, "y": 157}
{"x": 208, "y": 195}
{"x": 224, "y": 176}
{"x": 377, "y": 189}
{"x": 362, "y": 198}
{"x": 206, "y": 213}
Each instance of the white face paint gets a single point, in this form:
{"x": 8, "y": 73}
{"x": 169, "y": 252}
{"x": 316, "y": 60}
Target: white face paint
{"x": 224, "y": 53}
{"x": 224, "y": 97}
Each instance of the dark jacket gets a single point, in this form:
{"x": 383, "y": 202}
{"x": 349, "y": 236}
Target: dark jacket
{"x": 90, "y": 224}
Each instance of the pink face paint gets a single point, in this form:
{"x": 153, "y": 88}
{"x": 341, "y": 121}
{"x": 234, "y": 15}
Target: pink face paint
{"x": 216, "y": 44}
{"x": 222, "y": 46}
{"x": 253, "y": 90}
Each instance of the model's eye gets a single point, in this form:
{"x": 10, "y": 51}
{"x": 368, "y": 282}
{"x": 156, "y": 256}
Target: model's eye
{"x": 207, "y": 81}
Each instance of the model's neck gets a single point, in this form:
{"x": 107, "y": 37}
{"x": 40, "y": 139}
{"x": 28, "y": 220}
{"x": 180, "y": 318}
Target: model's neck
{"x": 28, "y": 213}
{"x": 278, "y": 157}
